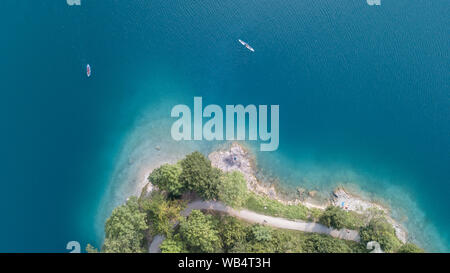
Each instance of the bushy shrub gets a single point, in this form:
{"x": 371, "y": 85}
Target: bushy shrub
{"x": 233, "y": 189}
{"x": 325, "y": 244}
{"x": 379, "y": 230}
{"x": 333, "y": 217}
{"x": 410, "y": 248}
{"x": 261, "y": 233}
{"x": 338, "y": 218}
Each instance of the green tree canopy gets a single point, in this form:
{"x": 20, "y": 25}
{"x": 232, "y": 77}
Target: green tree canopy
{"x": 167, "y": 177}
{"x": 233, "y": 189}
{"x": 333, "y": 217}
{"x": 199, "y": 233}
{"x": 410, "y": 248}
{"x": 199, "y": 176}
{"x": 338, "y": 218}
{"x": 124, "y": 229}
{"x": 173, "y": 245}
{"x": 161, "y": 213}
{"x": 232, "y": 232}
{"x": 379, "y": 230}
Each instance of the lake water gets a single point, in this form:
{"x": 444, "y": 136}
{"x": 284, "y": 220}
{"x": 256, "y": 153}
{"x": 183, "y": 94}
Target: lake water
{"x": 363, "y": 94}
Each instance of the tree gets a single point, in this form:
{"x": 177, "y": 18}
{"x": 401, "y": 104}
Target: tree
{"x": 167, "y": 177}
{"x": 125, "y": 228}
{"x": 173, "y": 245}
{"x": 338, "y": 218}
{"x": 316, "y": 243}
{"x": 232, "y": 232}
{"x": 379, "y": 230}
{"x": 409, "y": 248}
{"x": 199, "y": 176}
{"x": 333, "y": 217}
{"x": 161, "y": 213}
{"x": 233, "y": 189}
{"x": 199, "y": 233}
{"x": 259, "y": 240}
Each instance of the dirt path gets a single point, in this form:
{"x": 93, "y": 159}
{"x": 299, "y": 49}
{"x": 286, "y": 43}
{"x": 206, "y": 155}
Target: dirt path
{"x": 254, "y": 217}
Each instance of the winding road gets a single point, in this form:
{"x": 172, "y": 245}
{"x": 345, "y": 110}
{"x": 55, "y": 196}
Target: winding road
{"x": 254, "y": 217}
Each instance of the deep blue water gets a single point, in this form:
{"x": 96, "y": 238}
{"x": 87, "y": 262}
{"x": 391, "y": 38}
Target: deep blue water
{"x": 363, "y": 94}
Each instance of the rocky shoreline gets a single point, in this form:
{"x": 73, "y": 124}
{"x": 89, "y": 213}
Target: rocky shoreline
{"x": 236, "y": 157}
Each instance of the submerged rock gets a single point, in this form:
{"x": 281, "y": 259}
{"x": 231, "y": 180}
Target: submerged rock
{"x": 312, "y": 193}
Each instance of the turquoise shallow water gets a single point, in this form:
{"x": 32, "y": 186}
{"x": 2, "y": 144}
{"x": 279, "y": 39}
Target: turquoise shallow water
{"x": 363, "y": 94}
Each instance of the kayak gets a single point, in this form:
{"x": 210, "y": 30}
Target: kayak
{"x": 88, "y": 70}
{"x": 246, "y": 45}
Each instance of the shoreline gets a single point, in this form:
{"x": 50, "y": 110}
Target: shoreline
{"x": 236, "y": 157}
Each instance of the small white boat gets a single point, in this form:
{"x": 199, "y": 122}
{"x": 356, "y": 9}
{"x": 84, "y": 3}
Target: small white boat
{"x": 88, "y": 70}
{"x": 246, "y": 45}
